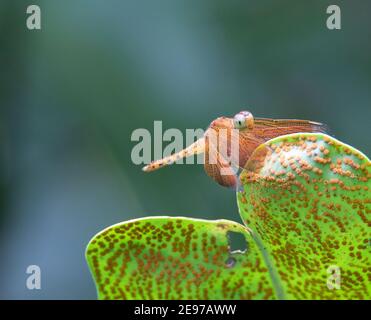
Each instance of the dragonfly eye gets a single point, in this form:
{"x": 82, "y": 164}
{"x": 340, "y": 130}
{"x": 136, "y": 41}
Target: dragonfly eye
{"x": 242, "y": 120}
{"x": 239, "y": 121}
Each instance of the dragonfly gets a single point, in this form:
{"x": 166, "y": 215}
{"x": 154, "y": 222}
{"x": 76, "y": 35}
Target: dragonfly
{"x": 242, "y": 130}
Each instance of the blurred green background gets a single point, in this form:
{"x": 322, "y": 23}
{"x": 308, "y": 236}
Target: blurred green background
{"x": 72, "y": 93}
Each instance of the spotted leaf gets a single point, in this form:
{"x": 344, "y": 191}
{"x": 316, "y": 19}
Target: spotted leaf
{"x": 307, "y": 199}
{"x": 177, "y": 258}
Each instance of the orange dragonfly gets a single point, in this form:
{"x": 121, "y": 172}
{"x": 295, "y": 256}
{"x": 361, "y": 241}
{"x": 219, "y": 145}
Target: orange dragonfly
{"x": 251, "y": 132}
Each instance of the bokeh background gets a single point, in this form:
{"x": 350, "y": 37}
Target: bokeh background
{"x": 72, "y": 93}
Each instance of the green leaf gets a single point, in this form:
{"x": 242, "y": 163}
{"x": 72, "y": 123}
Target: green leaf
{"x": 176, "y": 258}
{"x": 307, "y": 199}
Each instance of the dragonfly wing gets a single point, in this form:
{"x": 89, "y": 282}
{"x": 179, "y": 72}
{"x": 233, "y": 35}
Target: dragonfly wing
{"x": 248, "y": 142}
{"x": 271, "y": 128}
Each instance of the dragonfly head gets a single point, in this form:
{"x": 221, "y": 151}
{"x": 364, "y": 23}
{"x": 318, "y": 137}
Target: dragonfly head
{"x": 242, "y": 120}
